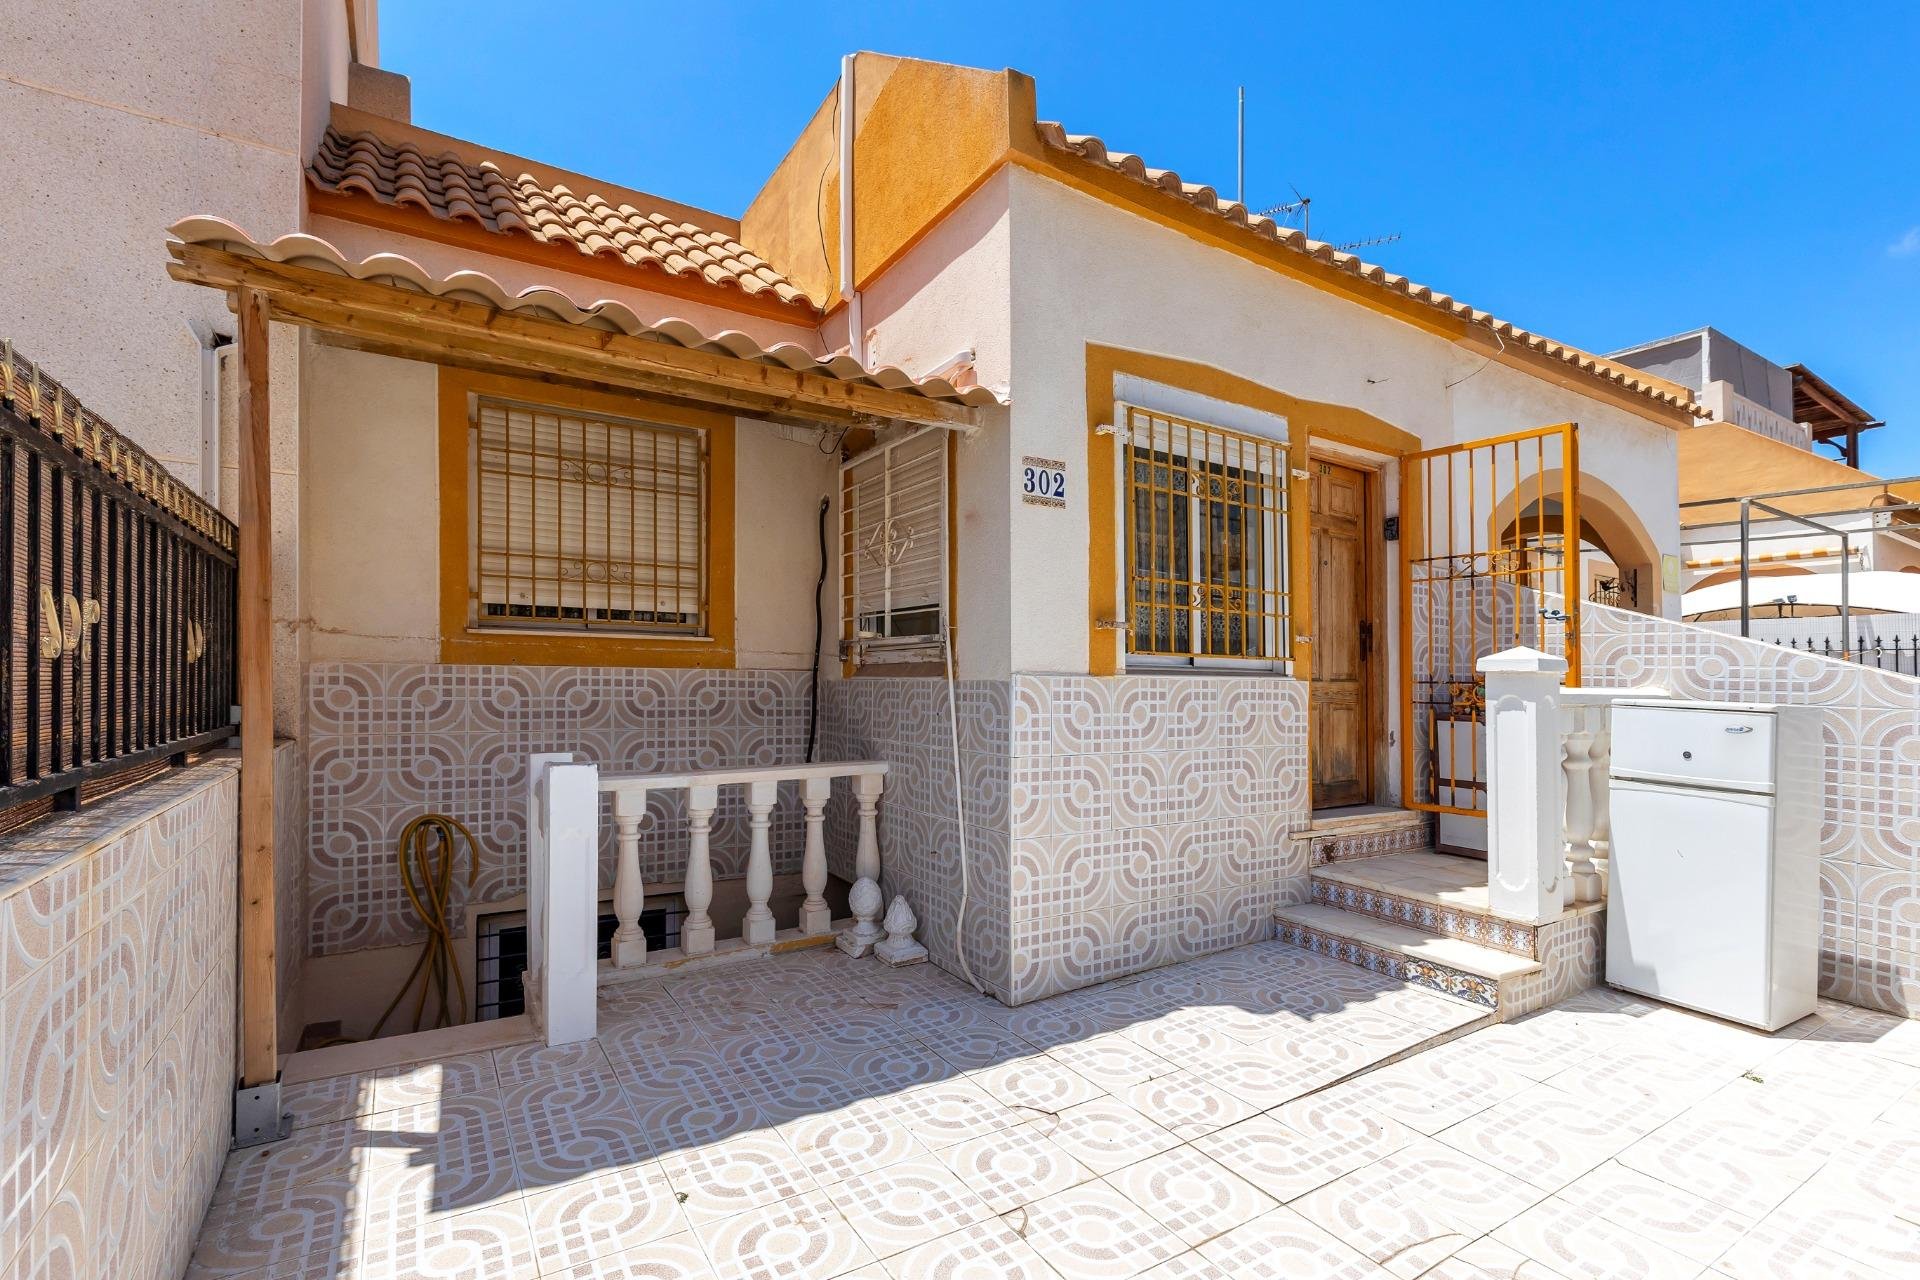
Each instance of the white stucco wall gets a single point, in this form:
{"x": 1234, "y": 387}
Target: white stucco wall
{"x": 947, "y": 294}
{"x": 371, "y": 520}
{"x": 1086, "y": 272}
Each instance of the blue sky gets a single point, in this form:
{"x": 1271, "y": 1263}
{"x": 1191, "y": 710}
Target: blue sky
{"x": 1602, "y": 174}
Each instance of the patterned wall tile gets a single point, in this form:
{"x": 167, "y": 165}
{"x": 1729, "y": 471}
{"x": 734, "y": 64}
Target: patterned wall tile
{"x": 117, "y": 1039}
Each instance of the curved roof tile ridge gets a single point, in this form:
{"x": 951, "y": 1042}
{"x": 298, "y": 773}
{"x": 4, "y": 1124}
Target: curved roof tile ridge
{"x": 1090, "y": 148}
{"x": 309, "y": 251}
{"x": 456, "y": 189}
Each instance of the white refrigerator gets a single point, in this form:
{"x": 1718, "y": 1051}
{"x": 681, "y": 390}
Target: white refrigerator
{"x": 1713, "y": 874}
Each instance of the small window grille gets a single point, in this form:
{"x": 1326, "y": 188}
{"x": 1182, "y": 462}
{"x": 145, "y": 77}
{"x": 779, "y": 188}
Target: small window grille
{"x": 500, "y": 952}
{"x": 587, "y": 522}
{"x": 894, "y": 549}
{"x": 1206, "y": 542}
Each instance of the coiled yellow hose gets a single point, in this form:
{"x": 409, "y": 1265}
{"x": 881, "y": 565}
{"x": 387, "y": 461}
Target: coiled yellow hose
{"x": 427, "y": 853}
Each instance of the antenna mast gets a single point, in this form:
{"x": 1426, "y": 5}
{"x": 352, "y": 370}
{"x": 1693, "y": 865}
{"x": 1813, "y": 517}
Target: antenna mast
{"x": 1240, "y": 192}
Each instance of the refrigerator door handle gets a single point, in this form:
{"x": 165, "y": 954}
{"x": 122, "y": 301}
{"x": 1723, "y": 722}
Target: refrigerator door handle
{"x": 1739, "y": 728}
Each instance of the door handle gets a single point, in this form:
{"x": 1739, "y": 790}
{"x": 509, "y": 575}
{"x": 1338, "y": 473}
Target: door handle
{"x": 1739, "y": 728}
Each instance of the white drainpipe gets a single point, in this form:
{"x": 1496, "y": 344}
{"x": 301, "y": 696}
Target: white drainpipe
{"x": 856, "y": 329}
{"x": 214, "y": 348}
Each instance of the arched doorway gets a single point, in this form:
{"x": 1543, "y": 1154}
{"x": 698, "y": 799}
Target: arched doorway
{"x": 1619, "y": 565}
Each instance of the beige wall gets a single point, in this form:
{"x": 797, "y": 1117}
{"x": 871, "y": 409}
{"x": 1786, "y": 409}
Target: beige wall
{"x": 371, "y": 520}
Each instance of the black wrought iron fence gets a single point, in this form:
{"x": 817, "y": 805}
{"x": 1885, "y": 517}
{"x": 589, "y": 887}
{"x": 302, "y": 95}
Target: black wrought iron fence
{"x": 118, "y": 585}
{"x": 1889, "y": 653}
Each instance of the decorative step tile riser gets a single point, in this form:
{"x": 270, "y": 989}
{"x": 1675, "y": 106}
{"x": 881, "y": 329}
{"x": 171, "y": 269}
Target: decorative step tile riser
{"x": 1448, "y": 922}
{"x": 1410, "y": 837}
{"x": 1463, "y": 986}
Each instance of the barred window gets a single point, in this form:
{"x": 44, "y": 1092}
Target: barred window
{"x": 583, "y": 521}
{"x": 1206, "y": 542}
{"x": 894, "y": 549}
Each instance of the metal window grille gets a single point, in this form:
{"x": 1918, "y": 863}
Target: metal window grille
{"x": 894, "y": 548}
{"x": 589, "y": 522}
{"x": 1206, "y": 541}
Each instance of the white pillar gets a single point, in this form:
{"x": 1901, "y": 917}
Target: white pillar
{"x": 757, "y": 928}
{"x": 696, "y": 931}
{"x": 864, "y": 899}
{"x": 629, "y": 949}
{"x": 1525, "y": 800}
{"x": 815, "y": 918}
{"x": 563, "y": 895}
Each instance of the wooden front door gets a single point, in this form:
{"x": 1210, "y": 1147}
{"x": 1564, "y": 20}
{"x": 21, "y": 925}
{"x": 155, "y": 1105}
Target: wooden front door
{"x": 1343, "y": 637}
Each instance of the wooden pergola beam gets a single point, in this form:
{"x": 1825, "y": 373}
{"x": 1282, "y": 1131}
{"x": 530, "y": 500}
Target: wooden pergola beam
{"x": 259, "y": 1047}
{"x": 432, "y": 325}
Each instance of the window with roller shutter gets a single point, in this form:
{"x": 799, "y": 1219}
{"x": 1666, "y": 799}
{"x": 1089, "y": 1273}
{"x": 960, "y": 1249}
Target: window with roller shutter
{"x": 587, "y": 522}
{"x": 894, "y": 550}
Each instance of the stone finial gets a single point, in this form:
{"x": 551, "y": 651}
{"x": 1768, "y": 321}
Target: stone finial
{"x": 864, "y": 901}
{"x": 900, "y": 948}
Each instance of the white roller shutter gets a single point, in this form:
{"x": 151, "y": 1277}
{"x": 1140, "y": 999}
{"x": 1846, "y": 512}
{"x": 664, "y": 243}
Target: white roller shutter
{"x": 894, "y": 548}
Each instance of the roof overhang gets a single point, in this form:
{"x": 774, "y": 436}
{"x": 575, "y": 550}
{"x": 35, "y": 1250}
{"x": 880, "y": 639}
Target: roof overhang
{"x": 391, "y": 305}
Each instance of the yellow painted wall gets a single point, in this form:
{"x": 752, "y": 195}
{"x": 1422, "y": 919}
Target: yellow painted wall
{"x": 925, "y": 135}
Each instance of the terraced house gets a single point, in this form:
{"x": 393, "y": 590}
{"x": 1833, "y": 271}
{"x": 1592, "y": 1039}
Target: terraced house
{"x": 984, "y": 521}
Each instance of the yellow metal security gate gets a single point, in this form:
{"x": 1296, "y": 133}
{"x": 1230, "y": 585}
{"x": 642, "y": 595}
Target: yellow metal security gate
{"x": 1490, "y": 539}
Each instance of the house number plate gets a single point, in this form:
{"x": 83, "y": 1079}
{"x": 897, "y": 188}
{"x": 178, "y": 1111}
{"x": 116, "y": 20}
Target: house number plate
{"x": 1043, "y": 482}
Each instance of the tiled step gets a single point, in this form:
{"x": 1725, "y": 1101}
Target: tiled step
{"x": 1366, "y": 832}
{"x": 1437, "y": 893}
{"x": 1459, "y": 968}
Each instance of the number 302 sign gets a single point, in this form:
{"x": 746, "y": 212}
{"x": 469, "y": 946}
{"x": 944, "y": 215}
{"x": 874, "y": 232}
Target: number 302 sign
{"x": 1043, "y": 482}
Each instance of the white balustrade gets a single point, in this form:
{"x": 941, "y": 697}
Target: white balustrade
{"x": 1548, "y": 753}
{"x": 1586, "y": 756}
{"x": 563, "y": 871}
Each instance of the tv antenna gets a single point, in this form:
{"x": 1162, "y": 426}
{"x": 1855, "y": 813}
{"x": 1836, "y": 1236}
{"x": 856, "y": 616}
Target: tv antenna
{"x": 1302, "y": 205}
{"x": 1361, "y": 244}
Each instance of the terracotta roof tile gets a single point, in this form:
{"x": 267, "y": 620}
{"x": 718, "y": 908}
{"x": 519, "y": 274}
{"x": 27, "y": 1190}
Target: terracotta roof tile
{"x": 449, "y": 187}
{"x": 1090, "y": 148}
{"x": 315, "y": 254}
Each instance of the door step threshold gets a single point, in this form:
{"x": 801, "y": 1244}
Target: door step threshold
{"x": 1341, "y": 835}
{"x": 1464, "y": 970}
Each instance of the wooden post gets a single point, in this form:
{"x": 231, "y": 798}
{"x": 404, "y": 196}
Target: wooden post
{"x": 259, "y": 1048}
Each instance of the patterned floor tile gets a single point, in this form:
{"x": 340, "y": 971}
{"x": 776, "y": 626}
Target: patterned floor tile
{"x": 1185, "y": 1105}
{"x": 949, "y": 1111}
{"x": 1488, "y": 1259}
{"x": 522, "y": 1064}
{"x": 438, "y": 1158}
{"x": 1282, "y": 1243}
{"x": 1112, "y": 1061}
{"x": 736, "y": 1175}
{"x": 1689, "y": 1225}
{"x": 262, "y": 1175}
{"x": 1545, "y": 1136}
{"x": 841, "y": 1143}
{"x": 989, "y": 1250}
{"x": 1039, "y": 1083}
{"x": 1092, "y": 1232}
{"x": 907, "y": 1204}
{"x": 674, "y": 1258}
{"x": 1106, "y": 1134}
{"x": 601, "y": 1216}
{"x": 564, "y": 1132}
{"x": 1397, "y": 1232}
{"x": 1435, "y": 1089}
{"x": 804, "y": 1237}
{"x": 444, "y": 1080}
{"x": 1743, "y": 1157}
{"x": 313, "y": 1102}
{"x": 1468, "y": 1195}
{"x": 1583, "y": 1247}
{"x": 486, "y": 1242}
{"x": 1190, "y": 1194}
{"x": 1012, "y": 1167}
{"x": 1280, "y": 1161}
{"x": 311, "y": 1221}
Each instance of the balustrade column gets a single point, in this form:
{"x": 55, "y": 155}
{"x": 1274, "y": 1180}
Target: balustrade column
{"x": 864, "y": 899}
{"x": 696, "y": 931}
{"x": 1576, "y": 741}
{"x": 815, "y": 918}
{"x": 1600, "y": 775}
{"x": 629, "y": 947}
{"x": 757, "y": 929}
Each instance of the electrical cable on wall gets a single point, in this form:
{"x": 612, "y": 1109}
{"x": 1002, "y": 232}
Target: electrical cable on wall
{"x": 427, "y": 852}
{"x": 819, "y": 636}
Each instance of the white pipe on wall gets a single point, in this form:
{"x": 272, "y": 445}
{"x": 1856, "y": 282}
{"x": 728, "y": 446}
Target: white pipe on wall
{"x": 849, "y": 294}
{"x": 214, "y": 347}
